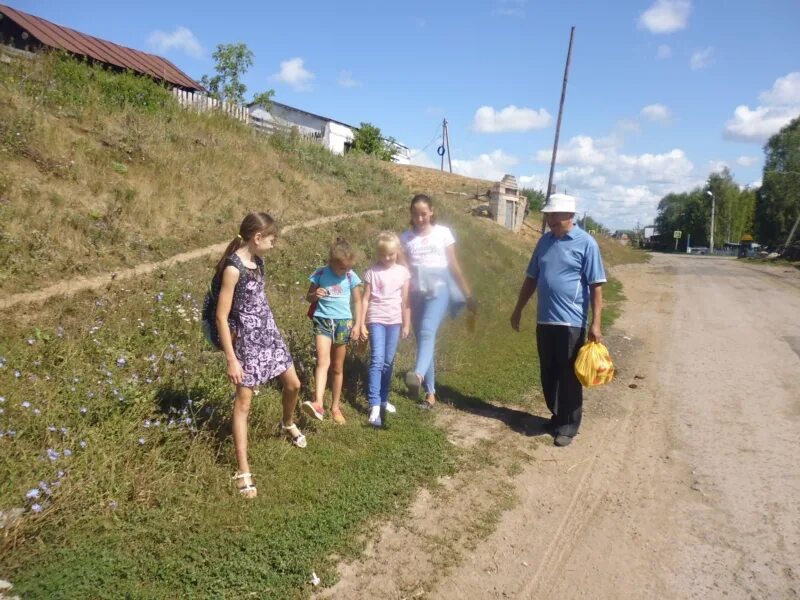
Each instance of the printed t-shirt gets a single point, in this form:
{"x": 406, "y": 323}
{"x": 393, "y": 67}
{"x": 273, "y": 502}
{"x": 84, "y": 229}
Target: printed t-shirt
{"x": 563, "y": 269}
{"x": 386, "y": 297}
{"x": 426, "y": 253}
{"x": 336, "y": 305}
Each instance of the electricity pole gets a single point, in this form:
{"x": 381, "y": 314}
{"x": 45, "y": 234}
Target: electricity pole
{"x": 713, "y": 209}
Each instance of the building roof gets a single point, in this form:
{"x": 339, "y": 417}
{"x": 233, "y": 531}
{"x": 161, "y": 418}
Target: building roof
{"x": 81, "y": 44}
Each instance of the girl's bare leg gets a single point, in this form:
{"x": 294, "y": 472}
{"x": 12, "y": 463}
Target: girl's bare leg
{"x": 323, "y": 345}
{"x": 338, "y": 353}
{"x": 291, "y": 389}
{"x": 241, "y": 412}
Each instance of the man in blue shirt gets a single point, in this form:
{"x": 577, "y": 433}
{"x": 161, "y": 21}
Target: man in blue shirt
{"x": 567, "y": 271}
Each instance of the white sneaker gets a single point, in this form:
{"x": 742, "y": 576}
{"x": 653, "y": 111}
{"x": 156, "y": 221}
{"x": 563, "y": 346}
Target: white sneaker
{"x": 390, "y": 408}
{"x": 375, "y": 416}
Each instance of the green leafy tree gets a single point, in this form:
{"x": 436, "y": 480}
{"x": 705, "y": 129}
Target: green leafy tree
{"x": 232, "y": 62}
{"x": 368, "y": 140}
{"x": 264, "y": 99}
{"x": 778, "y": 200}
{"x": 535, "y": 199}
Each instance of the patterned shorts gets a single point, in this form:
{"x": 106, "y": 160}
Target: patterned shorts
{"x": 338, "y": 330}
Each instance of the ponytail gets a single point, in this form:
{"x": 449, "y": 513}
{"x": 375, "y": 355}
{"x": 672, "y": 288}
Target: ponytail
{"x": 254, "y": 223}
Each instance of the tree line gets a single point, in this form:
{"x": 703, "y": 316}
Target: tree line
{"x": 768, "y": 212}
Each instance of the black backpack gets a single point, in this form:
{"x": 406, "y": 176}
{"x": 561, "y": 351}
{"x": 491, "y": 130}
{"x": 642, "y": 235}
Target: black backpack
{"x": 209, "y": 315}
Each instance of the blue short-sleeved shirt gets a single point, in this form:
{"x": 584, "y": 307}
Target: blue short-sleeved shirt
{"x": 336, "y": 305}
{"x": 563, "y": 269}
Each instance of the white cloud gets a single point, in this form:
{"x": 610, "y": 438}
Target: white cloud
{"x": 510, "y": 118}
{"x": 779, "y": 105}
{"x": 666, "y": 16}
{"x": 746, "y": 161}
{"x": 180, "y": 39}
{"x": 664, "y": 51}
{"x": 614, "y": 187}
{"x": 785, "y": 91}
{"x": 717, "y": 166}
{"x": 294, "y": 74}
{"x": 510, "y": 8}
{"x": 346, "y": 80}
{"x": 656, "y": 112}
{"x": 486, "y": 166}
{"x": 702, "y": 58}
{"x": 420, "y": 159}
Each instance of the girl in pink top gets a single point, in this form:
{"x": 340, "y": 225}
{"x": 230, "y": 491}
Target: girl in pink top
{"x": 387, "y": 318}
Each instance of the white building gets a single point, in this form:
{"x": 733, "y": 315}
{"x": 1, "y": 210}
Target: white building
{"x": 334, "y": 135}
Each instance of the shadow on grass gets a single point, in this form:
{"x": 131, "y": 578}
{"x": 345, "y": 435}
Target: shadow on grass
{"x": 179, "y": 404}
{"x": 516, "y": 420}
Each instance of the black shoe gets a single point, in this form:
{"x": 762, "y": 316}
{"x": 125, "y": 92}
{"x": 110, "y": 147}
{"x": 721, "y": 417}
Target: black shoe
{"x": 562, "y": 440}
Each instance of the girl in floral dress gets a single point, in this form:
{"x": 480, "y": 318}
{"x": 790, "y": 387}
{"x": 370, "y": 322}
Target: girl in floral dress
{"x": 253, "y": 346}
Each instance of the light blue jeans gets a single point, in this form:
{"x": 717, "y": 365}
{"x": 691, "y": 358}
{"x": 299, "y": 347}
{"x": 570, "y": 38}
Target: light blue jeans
{"x": 383, "y": 341}
{"x": 426, "y": 317}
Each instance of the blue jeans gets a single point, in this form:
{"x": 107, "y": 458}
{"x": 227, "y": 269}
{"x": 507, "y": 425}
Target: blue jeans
{"x": 383, "y": 341}
{"x": 426, "y": 317}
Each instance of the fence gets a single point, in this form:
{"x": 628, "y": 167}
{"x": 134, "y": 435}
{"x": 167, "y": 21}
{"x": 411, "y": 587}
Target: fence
{"x": 204, "y": 103}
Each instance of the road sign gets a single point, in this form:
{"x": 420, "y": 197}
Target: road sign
{"x": 677, "y": 235}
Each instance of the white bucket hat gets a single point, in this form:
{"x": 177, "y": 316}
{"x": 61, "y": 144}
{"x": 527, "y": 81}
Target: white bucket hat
{"x": 560, "y": 203}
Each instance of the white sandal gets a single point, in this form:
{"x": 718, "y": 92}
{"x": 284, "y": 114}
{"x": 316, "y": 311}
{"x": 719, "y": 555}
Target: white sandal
{"x": 247, "y": 489}
{"x": 294, "y": 434}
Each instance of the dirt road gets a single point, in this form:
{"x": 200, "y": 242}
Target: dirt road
{"x": 685, "y": 480}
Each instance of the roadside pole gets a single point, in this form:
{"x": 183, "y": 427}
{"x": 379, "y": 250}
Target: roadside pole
{"x": 558, "y": 124}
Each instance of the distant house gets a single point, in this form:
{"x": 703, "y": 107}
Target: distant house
{"x": 334, "y": 135}
{"x": 28, "y": 33}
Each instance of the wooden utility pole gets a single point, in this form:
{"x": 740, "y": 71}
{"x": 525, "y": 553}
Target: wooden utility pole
{"x": 445, "y": 147}
{"x": 558, "y": 123}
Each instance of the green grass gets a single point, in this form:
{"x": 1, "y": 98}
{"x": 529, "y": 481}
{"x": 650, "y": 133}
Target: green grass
{"x": 160, "y": 518}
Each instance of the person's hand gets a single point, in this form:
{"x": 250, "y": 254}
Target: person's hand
{"x": 472, "y": 304}
{"x": 515, "y": 319}
{"x": 364, "y": 335}
{"x": 235, "y": 372}
{"x": 320, "y": 292}
{"x": 594, "y": 333}
{"x": 404, "y": 333}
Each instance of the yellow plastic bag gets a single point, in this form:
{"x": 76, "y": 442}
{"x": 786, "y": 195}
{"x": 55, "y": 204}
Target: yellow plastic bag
{"x": 593, "y": 365}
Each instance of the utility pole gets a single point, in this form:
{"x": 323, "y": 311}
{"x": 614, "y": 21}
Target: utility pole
{"x": 791, "y": 233}
{"x": 713, "y": 209}
{"x": 558, "y": 122}
{"x": 445, "y": 147}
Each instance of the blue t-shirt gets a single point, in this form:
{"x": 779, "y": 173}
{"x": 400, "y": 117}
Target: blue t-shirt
{"x": 563, "y": 269}
{"x": 336, "y": 305}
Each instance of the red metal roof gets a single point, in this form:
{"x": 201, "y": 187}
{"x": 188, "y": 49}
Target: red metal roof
{"x": 75, "y": 42}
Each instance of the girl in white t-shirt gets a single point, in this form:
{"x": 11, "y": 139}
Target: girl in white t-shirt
{"x": 436, "y": 282}
{"x": 386, "y": 315}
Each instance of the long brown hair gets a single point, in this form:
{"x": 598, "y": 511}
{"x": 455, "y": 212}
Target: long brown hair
{"x": 255, "y": 222}
{"x": 422, "y": 199}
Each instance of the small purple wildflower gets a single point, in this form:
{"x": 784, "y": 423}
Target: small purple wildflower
{"x": 31, "y": 341}
{"x": 17, "y": 374}
{"x": 121, "y": 362}
{"x": 2, "y": 410}
{"x": 2, "y": 399}
{"x": 60, "y": 474}
{"x": 90, "y": 394}
{"x": 84, "y": 410}
{"x": 25, "y": 404}
{"x": 188, "y": 421}
{"x": 11, "y": 433}
{"x": 159, "y": 296}
{"x": 141, "y": 441}
{"x": 34, "y": 493}
{"x": 146, "y": 424}
{"x": 67, "y": 452}
{"x": 52, "y": 455}
{"x": 64, "y": 431}
{"x": 37, "y": 412}
{"x": 52, "y": 428}
{"x": 2, "y": 362}
{"x": 112, "y": 504}
{"x": 60, "y": 331}
{"x": 82, "y": 444}
{"x": 37, "y": 508}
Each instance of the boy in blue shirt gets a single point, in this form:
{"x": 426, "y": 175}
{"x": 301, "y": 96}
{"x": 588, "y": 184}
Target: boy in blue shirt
{"x": 567, "y": 271}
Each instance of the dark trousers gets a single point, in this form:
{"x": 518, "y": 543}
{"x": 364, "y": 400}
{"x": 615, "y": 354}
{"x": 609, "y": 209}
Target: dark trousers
{"x": 558, "y": 347}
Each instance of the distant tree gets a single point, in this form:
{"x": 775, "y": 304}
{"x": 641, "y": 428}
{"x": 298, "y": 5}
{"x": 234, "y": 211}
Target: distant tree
{"x": 232, "y": 62}
{"x": 589, "y": 224}
{"x": 368, "y": 140}
{"x": 264, "y": 99}
{"x": 535, "y": 199}
{"x": 778, "y": 200}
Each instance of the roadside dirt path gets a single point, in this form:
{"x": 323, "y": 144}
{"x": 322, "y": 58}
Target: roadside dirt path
{"x": 78, "y": 284}
{"x": 684, "y": 482}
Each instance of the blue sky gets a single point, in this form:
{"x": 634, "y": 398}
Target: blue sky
{"x": 661, "y": 92}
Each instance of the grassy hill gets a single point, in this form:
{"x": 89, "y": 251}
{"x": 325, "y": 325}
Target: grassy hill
{"x": 114, "y": 429}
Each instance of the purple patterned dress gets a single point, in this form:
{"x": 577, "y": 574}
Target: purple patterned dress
{"x": 258, "y": 344}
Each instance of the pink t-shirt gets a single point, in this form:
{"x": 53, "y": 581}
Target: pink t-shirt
{"x": 386, "y": 294}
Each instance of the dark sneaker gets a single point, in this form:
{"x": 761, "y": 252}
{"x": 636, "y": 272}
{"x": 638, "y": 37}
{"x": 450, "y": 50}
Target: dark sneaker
{"x": 562, "y": 440}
